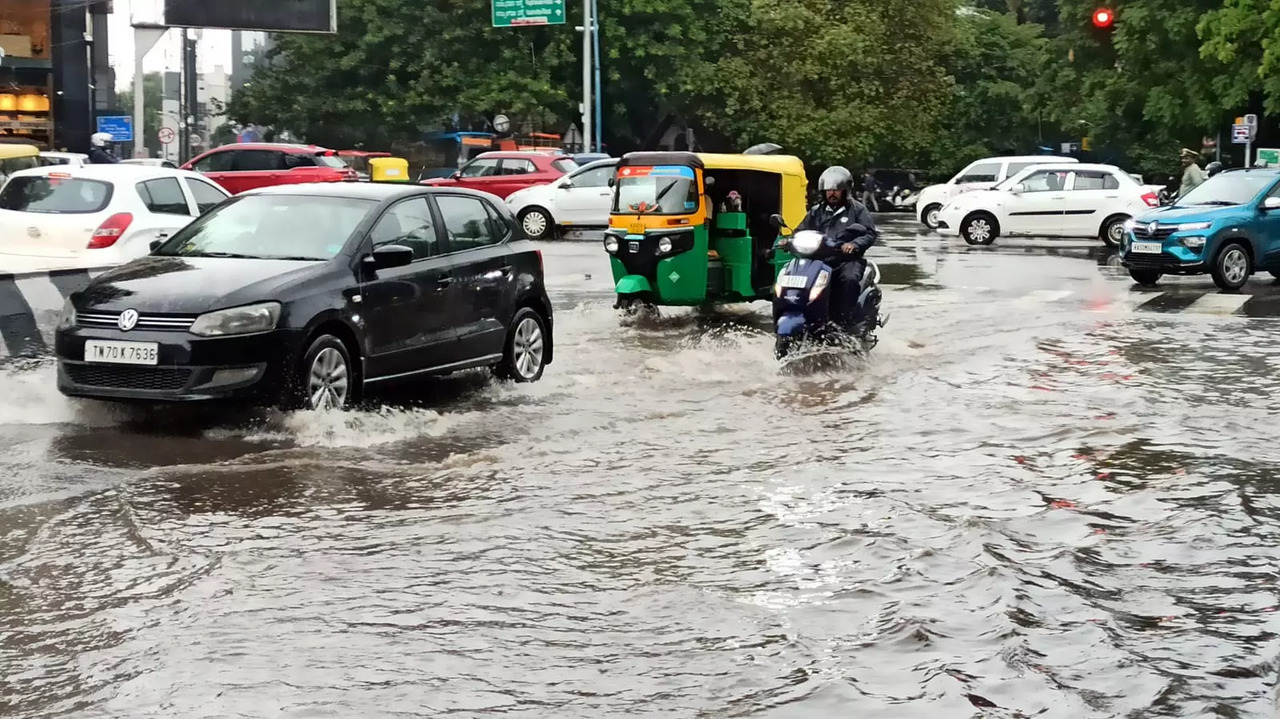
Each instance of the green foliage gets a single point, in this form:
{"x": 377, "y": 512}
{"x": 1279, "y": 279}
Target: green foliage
{"x": 152, "y": 107}
{"x": 930, "y": 84}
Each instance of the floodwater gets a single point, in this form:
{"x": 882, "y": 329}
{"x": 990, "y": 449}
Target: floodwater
{"x": 1045, "y": 494}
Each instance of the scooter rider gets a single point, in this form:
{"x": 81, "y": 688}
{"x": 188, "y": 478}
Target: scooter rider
{"x": 99, "y": 153}
{"x": 835, "y": 216}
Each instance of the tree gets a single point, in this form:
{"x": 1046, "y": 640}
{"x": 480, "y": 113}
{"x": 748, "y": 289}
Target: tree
{"x": 152, "y": 107}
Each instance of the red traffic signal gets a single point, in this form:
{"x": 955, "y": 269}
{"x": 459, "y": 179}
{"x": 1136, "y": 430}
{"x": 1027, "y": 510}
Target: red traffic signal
{"x": 1103, "y": 17}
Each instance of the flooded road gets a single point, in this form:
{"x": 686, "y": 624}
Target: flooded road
{"x": 1046, "y": 494}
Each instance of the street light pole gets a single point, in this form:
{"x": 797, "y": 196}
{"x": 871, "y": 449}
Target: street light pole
{"x": 588, "y": 27}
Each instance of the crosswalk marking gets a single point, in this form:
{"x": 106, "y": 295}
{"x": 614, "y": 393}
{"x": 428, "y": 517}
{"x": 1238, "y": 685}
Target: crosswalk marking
{"x": 1181, "y": 302}
{"x": 1219, "y": 304}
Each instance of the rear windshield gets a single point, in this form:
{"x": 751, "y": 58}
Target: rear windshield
{"x": 330, "y": 161}
{"x": 55, "y": 195}
{"x": 565, "y": 165}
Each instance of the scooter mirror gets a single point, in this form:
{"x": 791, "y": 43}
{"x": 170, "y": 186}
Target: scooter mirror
{"x": 777, "y": 221}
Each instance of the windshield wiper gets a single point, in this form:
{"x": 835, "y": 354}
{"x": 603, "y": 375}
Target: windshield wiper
{"x": 1217, "y": 203}
{"x": 295, "y": 258}
{"x": 231, "y": 255}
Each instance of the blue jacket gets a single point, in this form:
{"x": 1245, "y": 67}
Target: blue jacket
{"x": 835, "y": 224}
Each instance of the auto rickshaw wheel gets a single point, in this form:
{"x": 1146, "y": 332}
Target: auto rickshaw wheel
{"x": 636, "y": 306}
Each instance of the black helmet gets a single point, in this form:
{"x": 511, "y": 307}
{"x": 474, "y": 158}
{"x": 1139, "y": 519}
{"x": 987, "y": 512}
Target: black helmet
{"x": 1213, "y": 168}
{"x": 835, "y": 178}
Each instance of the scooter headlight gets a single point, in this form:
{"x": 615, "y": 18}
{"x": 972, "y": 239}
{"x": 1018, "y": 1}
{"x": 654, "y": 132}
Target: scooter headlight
{"x": 611, "y": 244}
{"x": 664, "y": 245}
{"x": 819, "y": 285}
{"x": 805, "y": 243}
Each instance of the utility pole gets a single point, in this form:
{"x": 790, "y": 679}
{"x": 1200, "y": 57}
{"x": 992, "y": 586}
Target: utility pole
{"x": 183, "y": 142}
{"x": 588, "y": 29}
{"x": 191, "y": 81}
{"x": 595, "y": 54}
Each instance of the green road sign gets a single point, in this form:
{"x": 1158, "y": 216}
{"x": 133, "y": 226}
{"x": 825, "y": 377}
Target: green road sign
{"x": 513, "y": 13}
{"x": 1271, "y": 157}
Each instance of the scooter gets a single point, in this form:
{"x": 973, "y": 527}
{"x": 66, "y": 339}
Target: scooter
{"x": 802, "y": 309}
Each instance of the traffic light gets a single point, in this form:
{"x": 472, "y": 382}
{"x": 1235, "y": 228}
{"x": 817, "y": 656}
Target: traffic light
{"x": 1103, "y": 18}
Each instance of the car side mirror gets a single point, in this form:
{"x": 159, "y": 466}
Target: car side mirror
{"x": 566, "y": 184}
{"x": 155, "y": 244}
{"x": 389, "y": 256}
{"x": 1271, "y": 203}
{"x": 1017, "y": 189}
{"x": 456, "y": 176}
{"x": 612, "y": 181}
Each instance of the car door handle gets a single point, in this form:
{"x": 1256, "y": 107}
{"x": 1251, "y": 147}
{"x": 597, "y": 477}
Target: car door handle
{"x": 444, "y": 281}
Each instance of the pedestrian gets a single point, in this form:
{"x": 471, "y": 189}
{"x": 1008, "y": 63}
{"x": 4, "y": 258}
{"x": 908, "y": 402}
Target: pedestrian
{"x": 1192, "y": 175}
{"x": 869, "y": 187}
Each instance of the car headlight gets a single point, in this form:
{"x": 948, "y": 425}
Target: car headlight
{"x": 664, "y": 245}
{"x": 611, "y": 244}
{"x": 68, "y": 317}
{"x": 238, "y": 320}
{"x": 1191, "y": 226}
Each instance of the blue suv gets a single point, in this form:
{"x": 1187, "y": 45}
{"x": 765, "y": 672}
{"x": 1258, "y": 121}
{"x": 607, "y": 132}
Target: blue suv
{"x": 1228, "y": 227}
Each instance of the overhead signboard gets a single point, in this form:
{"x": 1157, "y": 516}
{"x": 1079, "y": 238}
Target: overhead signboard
{"x": 515, "y": 13}
{"x": 1241, "y": 134}
{"x": 119, "y": 127}
{"x": 314, "y": 16}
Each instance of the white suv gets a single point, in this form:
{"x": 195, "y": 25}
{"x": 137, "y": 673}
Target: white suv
{"x": 980, "y": 175}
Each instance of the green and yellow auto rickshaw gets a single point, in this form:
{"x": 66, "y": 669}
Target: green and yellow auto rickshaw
{"x": 692, "y": 229}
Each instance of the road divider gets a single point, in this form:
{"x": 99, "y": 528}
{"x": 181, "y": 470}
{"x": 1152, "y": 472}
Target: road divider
{"x": 30, "y": 304}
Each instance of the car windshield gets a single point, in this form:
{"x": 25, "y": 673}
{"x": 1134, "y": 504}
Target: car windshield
{"x": 272, "y": 227}
{"x": 667, "y": 190}
{"x": 1229, "y": 188}
{"x": 54, "y": 194}
{"x": 565, "y": 164}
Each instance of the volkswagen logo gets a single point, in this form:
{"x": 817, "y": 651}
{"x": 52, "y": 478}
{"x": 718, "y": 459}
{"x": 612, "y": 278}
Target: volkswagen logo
{"x": 127, "y": 320}
{"x": 1151, "y": 228}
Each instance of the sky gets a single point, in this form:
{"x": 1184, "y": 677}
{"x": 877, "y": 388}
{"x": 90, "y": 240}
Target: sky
{"x": 214, "y": 46}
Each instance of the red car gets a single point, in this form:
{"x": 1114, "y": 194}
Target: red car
{"x": 502, "y": 173}
{"x": 250, "y": 165}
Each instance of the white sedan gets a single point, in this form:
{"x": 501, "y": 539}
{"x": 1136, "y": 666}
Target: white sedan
{"x": 582, "y": 198}
{"x": 1050, "y": 200}
{"x": 95, "y": 215}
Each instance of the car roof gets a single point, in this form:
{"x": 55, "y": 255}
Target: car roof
{"x": 360, "y": 190}
{"x": 115, "y": 171}
{"x": 1042, "y": 159}
{"x": 1075, "y": 166}
{"x": 282, "y": 146}
{"x": 1257, "y": 170}
{"x": 50, "y": 153}
{"x": 605, "y": 162}
{"x": 519, "y": 154}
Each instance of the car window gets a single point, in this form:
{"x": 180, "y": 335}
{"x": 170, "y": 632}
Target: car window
{"x": 217, "y": 162}
{"x": 272, "y": 227}
{"x": 1095, "y": 181}
{"x": 518, "y": 167}
{"x": 164, "y": 196}
{"x": 983, "y": 172}
{"x": 55, "y": 195}
{"x": 595, "y": 177}
{"x": 498, "y": 224}
{"x": 1016, "y": 167}
{"x": 1044, "y": 181}
{"x": 466, "y": 222}
{"x": 481, "y": 168}
{"x": 330, "y": 161}
{"x": 565, "y": 165}
{"x": 205, "y": 194}
{"x": 257, "y": 160}
{"x": 297, "y": 159}
{"x": 408, "y": 223}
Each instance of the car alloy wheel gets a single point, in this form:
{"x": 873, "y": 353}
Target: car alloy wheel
{"x": 329, "y": 381}
{"x": 931, "y": 216}
{"x": 527, "y": 348}
{"x": 979, "y": 231}
{"x": 535, "y": 223}
{"x": 1235, "y": 266}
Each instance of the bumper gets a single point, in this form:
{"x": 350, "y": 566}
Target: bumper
{"x": 1173, "y": 259}
{"x": 189, "y": 368}
{"x": 949, "y": 223}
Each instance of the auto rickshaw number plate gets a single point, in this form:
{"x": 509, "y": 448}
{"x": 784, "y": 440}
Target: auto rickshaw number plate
{"x": 633, "y": 246}
{"x": 635, "y": 228}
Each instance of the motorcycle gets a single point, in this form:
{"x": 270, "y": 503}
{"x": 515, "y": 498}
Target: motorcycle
{"x": 802, "y": 306}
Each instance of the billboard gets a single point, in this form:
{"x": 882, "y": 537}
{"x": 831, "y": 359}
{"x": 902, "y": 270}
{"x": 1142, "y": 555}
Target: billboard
{"x": 318, "y": 16}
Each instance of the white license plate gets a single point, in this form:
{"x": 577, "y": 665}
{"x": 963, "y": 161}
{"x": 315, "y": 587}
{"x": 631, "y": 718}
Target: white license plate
{"x": 1150, "y": 248}
{"x": 144, "y": 353}
{"x": 795, "y": 282}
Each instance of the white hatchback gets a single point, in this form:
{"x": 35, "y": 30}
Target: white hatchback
{"x": 1050, "y": 200}
{"x": 580, "y": 199}
{"x": 979, "y": 175}
{"x": 96, "y": 215}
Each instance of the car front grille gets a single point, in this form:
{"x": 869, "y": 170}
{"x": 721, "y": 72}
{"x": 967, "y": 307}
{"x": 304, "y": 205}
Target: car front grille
{"x": 164, "y": 323}
{"x": 128, "y": 377}
{"x": 1162, "y": 231}
{"x": 1164, "y": 260}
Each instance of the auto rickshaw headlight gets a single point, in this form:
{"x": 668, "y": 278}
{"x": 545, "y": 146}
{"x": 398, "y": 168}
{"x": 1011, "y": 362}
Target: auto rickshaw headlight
{"x": 611, "y": 244}
{"x": 664, "y": 245}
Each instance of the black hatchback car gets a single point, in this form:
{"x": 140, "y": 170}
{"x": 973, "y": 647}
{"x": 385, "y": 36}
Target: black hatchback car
{"x": 303, "y": 295}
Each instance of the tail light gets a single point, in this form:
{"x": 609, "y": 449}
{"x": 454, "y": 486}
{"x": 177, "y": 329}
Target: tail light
{"x": 542, "y": 270}
{"x": 1151, "y": 199}
{"x": 111, "y": 230}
